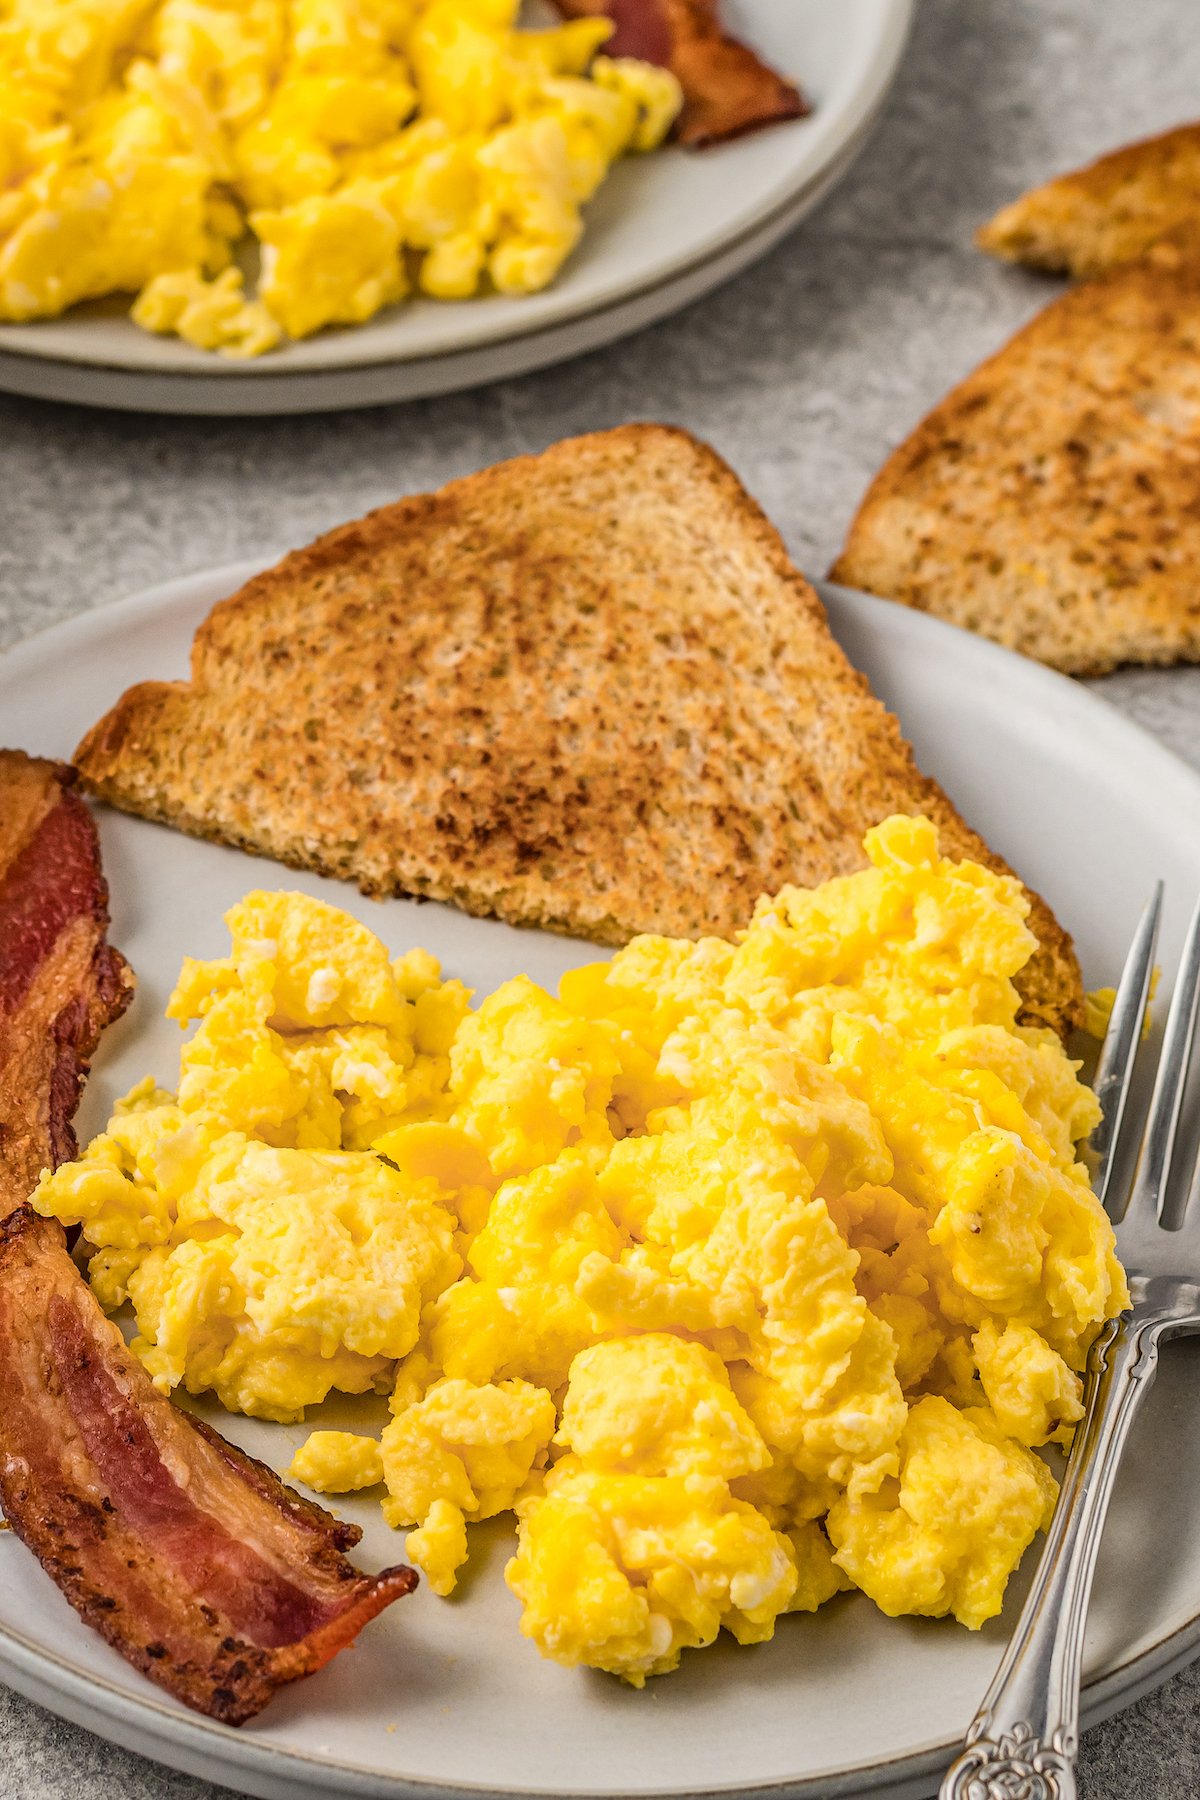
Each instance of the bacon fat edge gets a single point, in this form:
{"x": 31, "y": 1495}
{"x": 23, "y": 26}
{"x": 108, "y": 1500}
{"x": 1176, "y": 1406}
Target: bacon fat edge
{"x": 727, "y": 89}
{"x": 191, "y": 1559}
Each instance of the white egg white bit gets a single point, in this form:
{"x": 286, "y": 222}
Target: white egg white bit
{"x": 747, "y": 1591}
{"x": 673, "y": 1062}
{"x": 324, "y": 986}
{"x": 853, "y": 1421}
{"x": 359, "y": 1077}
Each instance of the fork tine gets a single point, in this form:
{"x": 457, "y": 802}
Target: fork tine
{"x": 1176, "y": 1216}
{"x": 1115, "y": 1068}
{"x": 1158, "y": 1144}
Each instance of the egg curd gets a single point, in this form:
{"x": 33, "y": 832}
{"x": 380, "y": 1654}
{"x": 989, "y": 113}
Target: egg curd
{"x": 742, "y": 1272}
{"x": 370, "y": 147}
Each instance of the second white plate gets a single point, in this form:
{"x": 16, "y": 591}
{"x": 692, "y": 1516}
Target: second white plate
{"x": 663, "y": 230}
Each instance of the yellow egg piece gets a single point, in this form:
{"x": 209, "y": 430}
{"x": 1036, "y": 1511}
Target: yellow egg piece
{"x": 337, "y": 1462}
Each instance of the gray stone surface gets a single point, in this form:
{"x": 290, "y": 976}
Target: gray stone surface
{"x": 803, "y": 372}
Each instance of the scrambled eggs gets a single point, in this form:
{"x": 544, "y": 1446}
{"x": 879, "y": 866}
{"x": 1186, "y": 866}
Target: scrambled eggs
{"x": 742, "y": 1272}
{"x": 369, "y": 146}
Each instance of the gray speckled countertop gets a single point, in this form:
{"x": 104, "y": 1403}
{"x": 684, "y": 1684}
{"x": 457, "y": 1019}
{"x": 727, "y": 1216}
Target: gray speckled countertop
{"x": 803, "y": 372}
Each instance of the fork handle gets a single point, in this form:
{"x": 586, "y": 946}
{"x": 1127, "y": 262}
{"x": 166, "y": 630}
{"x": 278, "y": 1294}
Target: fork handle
{"x": 1021, "y": 1743}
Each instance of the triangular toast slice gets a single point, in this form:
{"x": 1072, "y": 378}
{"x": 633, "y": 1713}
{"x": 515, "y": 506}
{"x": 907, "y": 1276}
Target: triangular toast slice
{"x": 1052, "y": 500}
{"x": 584, "y": 690}
{"x": 1111, "y": 212}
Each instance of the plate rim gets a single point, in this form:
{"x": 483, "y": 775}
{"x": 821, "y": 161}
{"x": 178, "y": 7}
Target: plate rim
{"x": 156, "y": 1727}
{"x": 892, "y": 29}
{"x": 1101, "y": 1697}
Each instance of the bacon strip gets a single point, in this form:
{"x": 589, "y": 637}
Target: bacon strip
{"x": 198, "y": 1565}
{"x": 191, "y": 1559}
{"x": 728, "y": 90}
{"x": 61, "y": 983}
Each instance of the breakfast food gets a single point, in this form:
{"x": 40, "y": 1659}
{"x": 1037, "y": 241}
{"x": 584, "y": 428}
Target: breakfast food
{"x": 192, "y": 1561}
{"x": 743, "y": 1271}
{"x": 727, "y": 88}
{"x": 1050, "y": 501}
{"x": 61, "y": 982}
{"x": 585, "y": 690}
{"x": 1111, "y": 212}
{"x": 366, "y": 148}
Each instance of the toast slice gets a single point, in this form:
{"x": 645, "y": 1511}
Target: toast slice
{"x": 584, "y": 690}
{"x": 1111, "y": 212}
{"x": 1052, "y": 500}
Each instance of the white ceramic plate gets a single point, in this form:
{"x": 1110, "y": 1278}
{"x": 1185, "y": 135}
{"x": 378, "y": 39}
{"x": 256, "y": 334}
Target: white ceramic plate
{"x": 445, "y": 1698}
{"x": 662, "y": 231}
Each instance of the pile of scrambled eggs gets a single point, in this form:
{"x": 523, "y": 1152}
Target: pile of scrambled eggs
{"x": 369, "y": 146}
{"x": 742, "y": 1272}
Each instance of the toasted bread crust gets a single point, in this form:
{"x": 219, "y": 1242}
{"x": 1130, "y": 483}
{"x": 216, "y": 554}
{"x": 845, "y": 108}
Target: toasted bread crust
{"x": 1052, "y": 500}
{"x": 1111, "y": 212}
{"x": 585, "y": 691}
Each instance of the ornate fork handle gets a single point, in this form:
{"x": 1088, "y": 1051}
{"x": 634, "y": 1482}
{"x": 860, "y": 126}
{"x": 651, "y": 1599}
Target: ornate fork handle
{"x": 1022, "y": 1742}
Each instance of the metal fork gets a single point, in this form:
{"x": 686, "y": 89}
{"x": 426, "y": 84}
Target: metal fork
{"x": 1024, "y": 1737}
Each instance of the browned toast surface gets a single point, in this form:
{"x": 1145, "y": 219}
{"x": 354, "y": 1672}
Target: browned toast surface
{"x": 1109, "y": 213}
{"x": 1052, "y": 500}
{"x": 585, "y": 690}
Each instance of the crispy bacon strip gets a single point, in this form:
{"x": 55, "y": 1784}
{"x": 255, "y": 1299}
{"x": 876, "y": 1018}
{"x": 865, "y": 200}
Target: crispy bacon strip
{"x": 61, "y": 983}
{"x": 727, "y": 89}
{"x": 192, "y": 1560}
